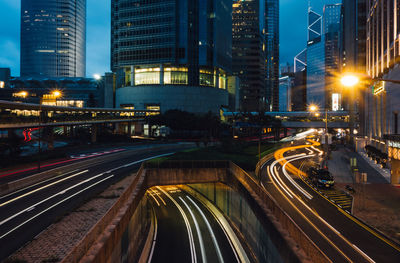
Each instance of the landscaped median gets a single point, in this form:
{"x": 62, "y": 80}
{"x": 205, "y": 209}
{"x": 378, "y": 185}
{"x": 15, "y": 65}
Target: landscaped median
{"x": 245, "y": 155}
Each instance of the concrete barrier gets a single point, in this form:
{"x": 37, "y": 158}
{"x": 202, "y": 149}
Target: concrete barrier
{"x": 100, "y": 244}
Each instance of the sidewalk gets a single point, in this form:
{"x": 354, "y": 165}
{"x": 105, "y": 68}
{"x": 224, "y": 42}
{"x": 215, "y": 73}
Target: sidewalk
{"x": 377, "y": 201}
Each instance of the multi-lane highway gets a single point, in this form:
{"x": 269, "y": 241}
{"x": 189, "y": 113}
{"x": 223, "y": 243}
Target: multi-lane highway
{"x": 340, "y": 236}
{"x": 28, "y": 211}
{"x": 187, "y": 231}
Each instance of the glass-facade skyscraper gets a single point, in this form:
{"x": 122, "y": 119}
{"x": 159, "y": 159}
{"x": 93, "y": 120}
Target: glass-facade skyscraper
{"x": 169, "y": 43}
{"x": 255, "y": 52}
{"x": 53, "y": 38}
{"x": 272, "y": 52}
{"x": 324, "y": 48}
{"x": 315, "y": 60}
{"x": 248, "y": 53}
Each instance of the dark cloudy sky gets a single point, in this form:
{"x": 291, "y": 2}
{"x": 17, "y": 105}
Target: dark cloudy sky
{"x": 293, "y": 32}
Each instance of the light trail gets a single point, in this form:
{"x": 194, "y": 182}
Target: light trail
{"x": 30, "y": 208}
{"x": 41, "y": 188}
{"x": 47, "y": 209}
{"x": 196, "y": 224}
{"x": 221, "y": 259}
{"x": 188, "y": 228}
{"x": 288, "y": 160}
{"x": 304, "y": 192}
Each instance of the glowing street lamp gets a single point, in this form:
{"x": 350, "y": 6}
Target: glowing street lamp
{"x": 349, "y": 80}
{"x": 313, "y": 108}
{"x": 57, "y": 93}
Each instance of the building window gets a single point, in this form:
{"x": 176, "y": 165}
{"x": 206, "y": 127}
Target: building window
{"x": 207, "y": 78}
{"x": 173, "y": 75}
{"x": 145, "y": 76}
{"x": 154, "y": 107}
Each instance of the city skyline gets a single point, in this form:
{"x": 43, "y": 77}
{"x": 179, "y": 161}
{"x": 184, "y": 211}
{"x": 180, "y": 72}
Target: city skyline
{"x": 293, "y": 35}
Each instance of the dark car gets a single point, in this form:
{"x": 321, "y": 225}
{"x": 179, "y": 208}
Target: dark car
{"x": 321, "y": 177}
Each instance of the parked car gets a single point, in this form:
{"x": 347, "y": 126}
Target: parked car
{"x": 321, "y": 177}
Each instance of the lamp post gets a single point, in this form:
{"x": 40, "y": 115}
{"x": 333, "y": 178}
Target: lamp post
{"x": 56, "y": 94}
{"x": 314, "y": 109}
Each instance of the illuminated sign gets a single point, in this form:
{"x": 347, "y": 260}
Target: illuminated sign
{"x": 335, "y": 101}
{"x": 379, "y": 87}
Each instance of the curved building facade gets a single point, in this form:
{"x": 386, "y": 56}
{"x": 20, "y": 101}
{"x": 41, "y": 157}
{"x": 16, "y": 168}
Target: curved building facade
{"x": 165, "y": 49}
{"x": 53, "y": 38}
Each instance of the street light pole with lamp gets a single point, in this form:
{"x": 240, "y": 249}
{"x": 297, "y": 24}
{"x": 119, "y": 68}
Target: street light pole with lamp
{"x": 314, "y": 108}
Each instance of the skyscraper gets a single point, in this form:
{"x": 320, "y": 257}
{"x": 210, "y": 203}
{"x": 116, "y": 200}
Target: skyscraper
{"x": 53, "y": 38}
{"x": 171, "y": 54}
{"x": 383, "y": 56}
{"x": 354, "y": 60}
{"x": 324, "y": 49}
{"x": 248, "y": 53}
{"x": 272, "y": 52}
{"x": 315, "y": 60}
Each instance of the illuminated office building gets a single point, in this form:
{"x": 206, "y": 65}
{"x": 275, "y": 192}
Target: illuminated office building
{"x": 171, "y": 54}
{"x": 272, "y": 52}
{"x": 383, "y": 101}
{"x": 248, "y": 54}
{"x": 53, "y": 38}
{"x": 255, "y": 53}
{"x": 324, "y": 47}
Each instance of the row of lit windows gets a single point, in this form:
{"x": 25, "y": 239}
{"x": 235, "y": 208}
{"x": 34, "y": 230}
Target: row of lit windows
{"x": 173, "y": 75}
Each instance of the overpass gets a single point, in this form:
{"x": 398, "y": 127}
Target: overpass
{"x": 14, "y": 115}
{"x": 301, "y": 119}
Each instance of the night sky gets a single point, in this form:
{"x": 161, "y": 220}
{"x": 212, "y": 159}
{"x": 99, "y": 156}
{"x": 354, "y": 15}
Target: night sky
{"x": 293, "y": 32}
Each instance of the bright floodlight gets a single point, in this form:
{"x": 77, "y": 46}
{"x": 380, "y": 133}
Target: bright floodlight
{"x": 349, "y": 80}
{"x": 97, "y": 76}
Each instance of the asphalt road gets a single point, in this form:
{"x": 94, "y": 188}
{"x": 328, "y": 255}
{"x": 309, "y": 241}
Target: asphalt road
{"x": 27, "y": 212}
{"x": 186, "y": 230}
{"x": 341, "y": 237}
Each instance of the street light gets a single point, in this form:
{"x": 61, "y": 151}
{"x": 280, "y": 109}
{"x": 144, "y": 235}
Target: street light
{"x": 349, "y": 80}
{"x": 56, "y": 94}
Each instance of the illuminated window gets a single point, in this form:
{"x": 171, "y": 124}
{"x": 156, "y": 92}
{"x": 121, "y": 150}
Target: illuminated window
{"x": 2, "y": 84}
{"x": 147, "y": 76}
{"x": 207, "y": 78}
{"x": 222, "y": 81}
{"x": 173, "y": 75}
{"x": 154, "y": 107}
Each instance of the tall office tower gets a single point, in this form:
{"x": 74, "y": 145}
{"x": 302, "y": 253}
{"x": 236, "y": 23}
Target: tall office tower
{"x": 315, "y": 60}
{"x": 171, "y": 54}
{"x": 53, "y": 38}
{"x": 248, "y": 55}
{"x": 333, "y": 35}
{"x": 354, "y": 55}
{"x": 272, "y": 52}
{"x": 324, "y": 49}
{"x": 300, "y": 61}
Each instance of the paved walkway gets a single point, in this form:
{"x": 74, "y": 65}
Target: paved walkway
{"x": 339, "y": 166}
